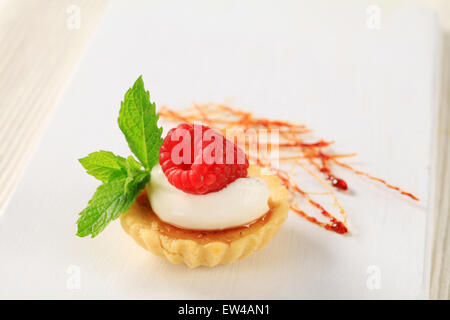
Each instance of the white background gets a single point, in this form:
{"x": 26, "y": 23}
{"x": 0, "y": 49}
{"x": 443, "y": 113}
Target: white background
{"x": 371, "y": 91}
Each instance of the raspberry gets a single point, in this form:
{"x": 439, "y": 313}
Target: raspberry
{"x": 199, "y": 160}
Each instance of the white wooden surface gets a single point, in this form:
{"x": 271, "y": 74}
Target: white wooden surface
{"x": 38, "y": 53}
{"x": 343, "y": 82}
{"x": 440, "y": 271}
{"x": 303, "y": 84}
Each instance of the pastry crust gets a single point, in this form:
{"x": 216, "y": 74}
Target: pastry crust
{"x": 146, "y": 229}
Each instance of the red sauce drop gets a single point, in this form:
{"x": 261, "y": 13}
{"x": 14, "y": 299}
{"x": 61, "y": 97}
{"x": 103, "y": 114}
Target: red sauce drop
{"x": 336, "y": 226}
{"x": 337, "y": 183}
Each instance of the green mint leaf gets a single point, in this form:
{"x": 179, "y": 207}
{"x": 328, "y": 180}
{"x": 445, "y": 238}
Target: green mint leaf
{"x": 134, "y": 174}
{"x": 132, "y": 166}
{"x": 104, "y": 165}
{"x": 138, "y": 122}
{"x": 123, "y": 179}
{"x": 109, "y": 201}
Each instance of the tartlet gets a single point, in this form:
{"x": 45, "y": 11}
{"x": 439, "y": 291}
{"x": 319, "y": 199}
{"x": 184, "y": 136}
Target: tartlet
{"x": 188, "y": 196}
{"x": 207, "y": 248}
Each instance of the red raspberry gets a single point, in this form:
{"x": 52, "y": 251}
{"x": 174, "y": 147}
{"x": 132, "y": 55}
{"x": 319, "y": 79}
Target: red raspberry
{"x": 211, "y": 161}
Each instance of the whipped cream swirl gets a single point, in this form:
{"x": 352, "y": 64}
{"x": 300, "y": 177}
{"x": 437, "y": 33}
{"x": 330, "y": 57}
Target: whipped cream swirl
{"x": 241, "y": 202}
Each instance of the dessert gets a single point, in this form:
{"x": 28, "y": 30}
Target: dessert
{"x": 192, "y": 197}
{"x": 207, "y": 247}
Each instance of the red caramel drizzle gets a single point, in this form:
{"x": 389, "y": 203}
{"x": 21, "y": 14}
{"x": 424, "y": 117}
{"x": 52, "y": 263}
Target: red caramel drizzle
{"x": 222, "y": 117}
{"x": 202, "y": 236}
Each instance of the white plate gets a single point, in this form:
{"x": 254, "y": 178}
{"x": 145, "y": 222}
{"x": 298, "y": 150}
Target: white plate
{"x": 317, "y": 63}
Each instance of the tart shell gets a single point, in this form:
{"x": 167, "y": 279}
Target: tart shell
{"x": 141, "y": 223}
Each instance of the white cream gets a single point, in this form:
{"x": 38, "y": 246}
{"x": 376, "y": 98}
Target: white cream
{"x": 241, "y": 202}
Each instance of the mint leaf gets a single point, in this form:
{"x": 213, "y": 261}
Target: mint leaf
{"x": 104, "y": 165}
{"x": 138, "y": 122}
{"x": 123, "y": 179}
{"x": 108, "y": 202}
{"x": 134, "y": 174}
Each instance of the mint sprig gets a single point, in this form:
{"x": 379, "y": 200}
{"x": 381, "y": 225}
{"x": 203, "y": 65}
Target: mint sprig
{"x": 138, "y": 122}
{"x": 123, "y": 179}
{"x": 104, "y": 165}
